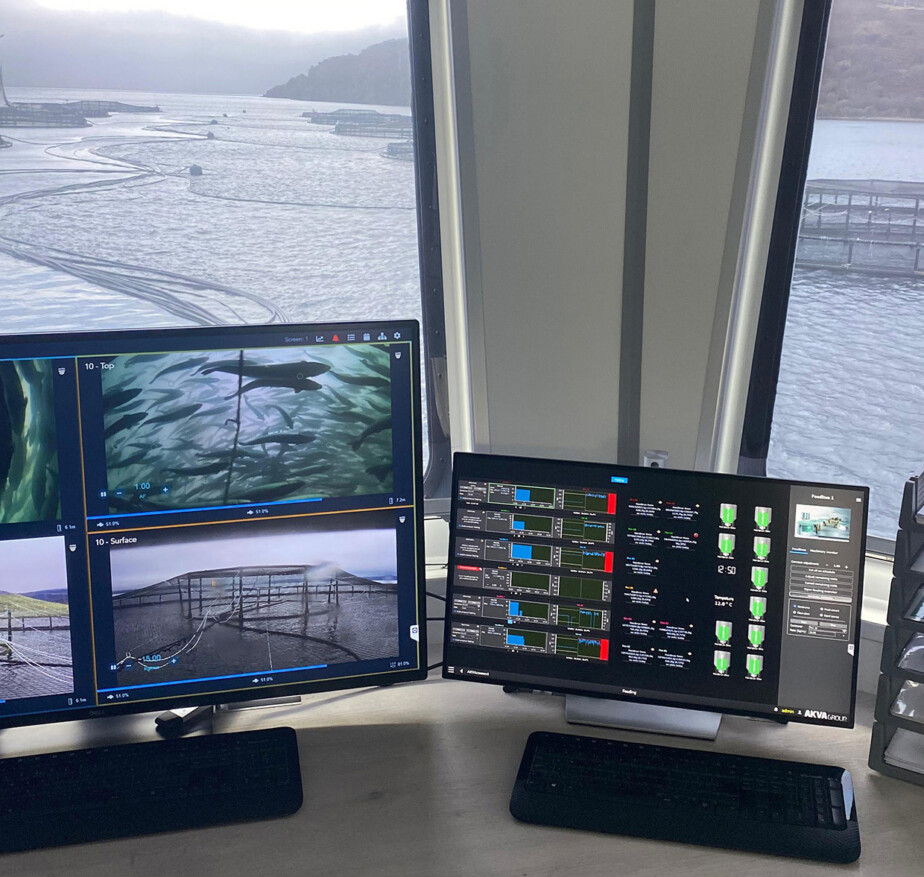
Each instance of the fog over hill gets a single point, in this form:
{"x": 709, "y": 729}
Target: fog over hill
{"x": 144, "y": 51}
{"x": 874, "y": 61}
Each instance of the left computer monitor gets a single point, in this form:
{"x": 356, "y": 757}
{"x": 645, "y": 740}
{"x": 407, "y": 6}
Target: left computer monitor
{"x": 195, "y": 516}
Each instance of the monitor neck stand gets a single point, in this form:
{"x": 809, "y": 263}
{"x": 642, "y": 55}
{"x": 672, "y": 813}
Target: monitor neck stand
{"x": 641, "y": 717}
{"x": 182, "y": 720}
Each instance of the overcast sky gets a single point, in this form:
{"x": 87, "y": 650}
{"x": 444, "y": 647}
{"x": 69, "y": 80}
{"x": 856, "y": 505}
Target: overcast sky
{"x": 33, "y": 565}
{"x": 201, "y": 46}
{"x": 303, "y": 16}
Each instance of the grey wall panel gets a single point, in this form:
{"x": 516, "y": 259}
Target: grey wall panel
{"x": 703, "y": 54}
{"x": 548, "y": 86}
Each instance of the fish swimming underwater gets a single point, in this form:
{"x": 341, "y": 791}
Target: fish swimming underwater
{"x": 298, "y": 385}
{"x": 362, "y": 380}
{"x": 118, "y": 397}
{"x": 285, "y": 371}
{"x": 180, "y": 366}
{"x": 282, "y": 438}
{"x": 125, "y": 422}
{"x": 204, "y": 469}
{"x": 379, "y": 426}
{"x": 176, "y": 414}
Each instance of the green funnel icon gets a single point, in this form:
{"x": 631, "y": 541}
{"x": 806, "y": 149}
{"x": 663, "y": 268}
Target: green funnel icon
{"x": 723, "y": 631}
{"x": 722, "y": 660}
{"x": 762, "y": 516}
{"x": 755, "y": 664}
{"x": 758, "y": 607}
{"x": 726, "y": 543}
{"x": 759, "y": 577}
{"x": 728, "y": 511}
{"x": 756, "y": 633}
{"x": 761, "y": 547}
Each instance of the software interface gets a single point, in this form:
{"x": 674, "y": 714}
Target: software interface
{"x": 736, "y": 593}
{"x": 188, "y": 513}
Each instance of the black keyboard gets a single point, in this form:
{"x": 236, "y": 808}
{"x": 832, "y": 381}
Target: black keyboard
{"x": 758, "y": 804}
{"x": 141, "y": 788}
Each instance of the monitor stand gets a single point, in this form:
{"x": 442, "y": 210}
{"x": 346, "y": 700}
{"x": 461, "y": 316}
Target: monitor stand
{"x": 641, "y": 717}
{"x": 182, "y": 720}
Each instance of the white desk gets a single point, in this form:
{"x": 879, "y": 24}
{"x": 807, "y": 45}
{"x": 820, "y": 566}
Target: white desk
{"x": 415, "y": 780}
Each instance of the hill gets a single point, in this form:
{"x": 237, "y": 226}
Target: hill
{"x": 380, "y": 74}
{"x": 23, "y": 606}
{"x": 874, "y": 63}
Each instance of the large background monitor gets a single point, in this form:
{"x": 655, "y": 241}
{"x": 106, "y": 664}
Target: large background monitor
{"x": 196, "y": 516}
{"x": 688, "y": 589}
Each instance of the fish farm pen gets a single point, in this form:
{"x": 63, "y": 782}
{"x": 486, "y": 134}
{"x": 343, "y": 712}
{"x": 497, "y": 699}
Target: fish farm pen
{"x": 365, "y": 123}
{"x": 864, "y": 226}
{"x": 73, "y": 114}
{"x": 250, "y": 588}
{"x": 402, "y": 151}
{"x": 12, "y": 624}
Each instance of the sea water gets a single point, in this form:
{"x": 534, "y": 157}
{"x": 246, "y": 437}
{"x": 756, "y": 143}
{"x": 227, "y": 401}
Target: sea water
{"x": 850, "y": 396}
{"x": 323, "y": 227}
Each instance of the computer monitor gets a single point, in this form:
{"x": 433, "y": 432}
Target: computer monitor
{"x": 725, "y": 593}
{"x": 195, "y": 516}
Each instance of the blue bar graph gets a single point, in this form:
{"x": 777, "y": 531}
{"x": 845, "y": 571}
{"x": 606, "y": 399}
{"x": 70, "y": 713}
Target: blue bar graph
{"x": 521, "y": 494}
{"x": 514, "y": 608}
{"x": 521, "y": 552}
{"x": 515, "y": 639}
{"x": 518, "y": 525}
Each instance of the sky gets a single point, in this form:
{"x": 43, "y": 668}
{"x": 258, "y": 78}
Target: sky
{"x": 33, "y": 565}
{"x": 190, "y": 46}
{"x": 300, "y": 16}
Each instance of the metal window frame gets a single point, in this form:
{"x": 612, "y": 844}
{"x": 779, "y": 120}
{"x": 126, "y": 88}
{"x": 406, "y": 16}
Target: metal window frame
{"x": 768, "y": 347}
{"x": 437, "y": 476}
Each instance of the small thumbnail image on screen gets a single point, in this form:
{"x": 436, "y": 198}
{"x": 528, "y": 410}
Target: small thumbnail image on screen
{"x": 822, "y": 522}
{"x": 261, "y": 599}
{"x": 28, "y": 443}
{"x": 187, "y": 430}
{"x": 35, "y": 628}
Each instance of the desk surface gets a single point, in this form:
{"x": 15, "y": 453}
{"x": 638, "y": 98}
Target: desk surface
{"x": 415, "y": 780}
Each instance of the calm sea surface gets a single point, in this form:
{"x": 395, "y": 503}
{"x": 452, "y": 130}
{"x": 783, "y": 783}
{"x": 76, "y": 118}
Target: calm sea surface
{"x": 850, "y": 397}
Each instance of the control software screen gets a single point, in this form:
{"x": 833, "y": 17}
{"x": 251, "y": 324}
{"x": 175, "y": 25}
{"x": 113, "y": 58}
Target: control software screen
{"x": 734, "y": 593}
{"x": 204, "y": 514}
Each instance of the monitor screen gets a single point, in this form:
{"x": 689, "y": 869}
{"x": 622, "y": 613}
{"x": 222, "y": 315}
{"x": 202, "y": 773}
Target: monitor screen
{"x": 721, "y": 592}
{"x": 193, "y": 516}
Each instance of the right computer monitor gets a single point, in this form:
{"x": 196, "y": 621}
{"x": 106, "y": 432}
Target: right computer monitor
{"x": 727, "y": 593}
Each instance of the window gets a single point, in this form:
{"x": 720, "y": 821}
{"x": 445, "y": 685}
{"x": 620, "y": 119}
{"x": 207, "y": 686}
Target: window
{"x": 836, "y": 381}
{"x": 188, "y": 165}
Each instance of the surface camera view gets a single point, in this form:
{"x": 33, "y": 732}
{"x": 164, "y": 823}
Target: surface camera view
{"x": 35, "y": 629}
{"x": 186, "y": 430}
{"x": 822, "y": 522}
{"x": 282, "y": 598}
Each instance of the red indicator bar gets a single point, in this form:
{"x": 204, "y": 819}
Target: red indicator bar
{"x": 604, "y": 649}
{"x": 608, "y": 561}
{"x": 611, "y": 504}
{"x": 470, "y": 568}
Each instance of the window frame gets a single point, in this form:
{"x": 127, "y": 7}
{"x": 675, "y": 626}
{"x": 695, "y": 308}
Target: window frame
{"x": 433, "y": 331}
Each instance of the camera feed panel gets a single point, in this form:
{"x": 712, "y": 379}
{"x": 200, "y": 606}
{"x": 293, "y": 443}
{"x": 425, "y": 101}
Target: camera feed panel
{"x": 205, "y": 512}
{"x": 224, "y": 428}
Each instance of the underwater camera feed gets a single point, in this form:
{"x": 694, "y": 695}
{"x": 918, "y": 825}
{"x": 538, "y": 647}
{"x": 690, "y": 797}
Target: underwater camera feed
{"x": 235, "y": 427}
{"x": 29, "y": 488}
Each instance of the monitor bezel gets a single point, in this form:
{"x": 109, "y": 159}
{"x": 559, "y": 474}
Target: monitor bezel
{"x": 557, "y": 685}
{"x": 112, "y": 342}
